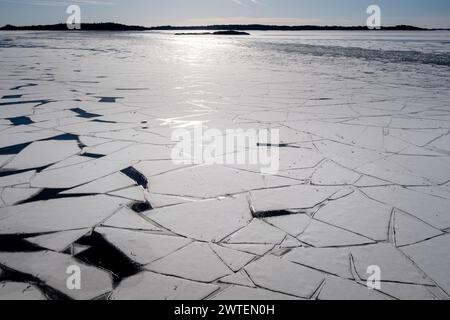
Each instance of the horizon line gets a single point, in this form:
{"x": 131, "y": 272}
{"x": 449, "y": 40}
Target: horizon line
{"x": 170, "y": 26}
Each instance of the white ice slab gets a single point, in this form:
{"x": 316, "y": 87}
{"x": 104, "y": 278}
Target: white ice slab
{"x": 92, "y": 141}
{"x": 257, "y": 232}
{"x": 69, "y": 162}
{"x": 433, "y": 258}
{"x": 17, "y": 110}
{"x": 25, "y": 137}
{"x": 107, "y": 148}
{"x": 410, "y": 230}
{"x": 395, "y": 266}
{"x": 5, "y": 159}
{"x": 78, "y": 174}
{"x": 234, "y": 259}
{"x": 335, "y": 261}
{"x": 42, "y": 153}
{"x": 17, "y": 179}
{"x": 127, "y": 219}
{"x": 256, "y": 249}
{"x": 209, "y": 221}
{"x": 358, "y": 214}
{"x": 152, "y": 286}
{"x": 153, "y": 168}
{"x": 409, "y": 292}
{"x": 196, "y": 262}
{"x": 58, "y": 241}
{"x": 51, "y": 268}
{"x": 16, "y": 291}
{"x": 290, "y": 198}
{"x": 341, "y": 289}
{"x": 240, "y": 278}
{"x": 142, "y": 247}
{"x": 131, "y": 135}
{"x": 330, "y": 173}
{"x": 58, "y": 215}
{"x": 12, "y": 196}
{"x": 160, "y": 201}
{"x": 432, "y": 210}
{"x": 115, "y": 181}
{"x": 285, "y": 277}
{"x": 212, "y": 181}
{"x": 322, "y": 235}
{"x": 293, "y": 224}
{"x": 136, "y": 193}
{"x": 246, "y": 294}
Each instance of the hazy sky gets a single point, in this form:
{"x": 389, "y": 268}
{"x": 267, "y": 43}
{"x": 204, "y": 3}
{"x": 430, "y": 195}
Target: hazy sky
{"x": 425, "y": 13}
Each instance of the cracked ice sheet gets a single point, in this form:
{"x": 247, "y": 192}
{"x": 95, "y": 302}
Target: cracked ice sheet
{"x": 335, "y": 261}
{"x": 433, "y": 258}
{"x": 395, "y": 266}
{"x": 410, "y": 230}
{"x": 245, "y": 294}
{"x": 213, "y": 181}
{"x": 390, "y": 133}
{"x": 341, "y": 289}
{"x": 434, "y": 169}
{"x": 42, "y": 153}
{"x": 240, "y": 278}
{"x": 116, "y": 181}
{"x": 78, "y": 174}
{"x": 257, "y": 232}
{"x": 17, "y": 179}
{"x": 58, "y": 241}
{"x": 290, "y": 198}
{"x": 152, "y": 286}
{"x": 235, "y": 260}
{"x": 330, "y": 173}
{"x": 12, "y": 196}
{"x": 12, "y": 139}
{"x": 210, "y": 220}
{"x": 322, "y": 235}
{"x": 430, "y": 209}
{"x": 289, "y": 278}
{"x": 58, "y": 215}
{"x": 142, "y": 247}
{"x": 197, "y": 262}
{"x": 358, "y": 214}
{"x": 127, "y": 219}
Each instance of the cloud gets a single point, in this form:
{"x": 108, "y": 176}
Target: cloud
{"x": 243, "y": 4}
{"x": 258, "y": 2}
{"x": 239, "y": 2}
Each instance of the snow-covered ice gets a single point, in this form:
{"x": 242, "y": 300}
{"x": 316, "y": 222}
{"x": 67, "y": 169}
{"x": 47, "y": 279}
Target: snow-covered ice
{"x": 87, "y": 177}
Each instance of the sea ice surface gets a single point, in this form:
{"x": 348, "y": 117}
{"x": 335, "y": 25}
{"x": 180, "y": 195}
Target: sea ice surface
{"x": 87, "y": 175}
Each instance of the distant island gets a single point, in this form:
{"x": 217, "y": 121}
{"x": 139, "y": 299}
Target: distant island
{"x": 109, "y": 26}
{"x": 217, "y": 33}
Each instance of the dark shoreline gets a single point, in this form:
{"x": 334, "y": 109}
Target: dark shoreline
{"x": 217, "y": 33}
{"x": 251, "y": 27}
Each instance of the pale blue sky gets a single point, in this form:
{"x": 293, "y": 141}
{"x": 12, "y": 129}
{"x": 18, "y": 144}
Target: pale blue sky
{"x": 424, "y": 13}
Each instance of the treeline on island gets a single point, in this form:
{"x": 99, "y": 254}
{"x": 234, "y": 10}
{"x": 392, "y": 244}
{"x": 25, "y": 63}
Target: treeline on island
{"x": 109, "y": 26}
